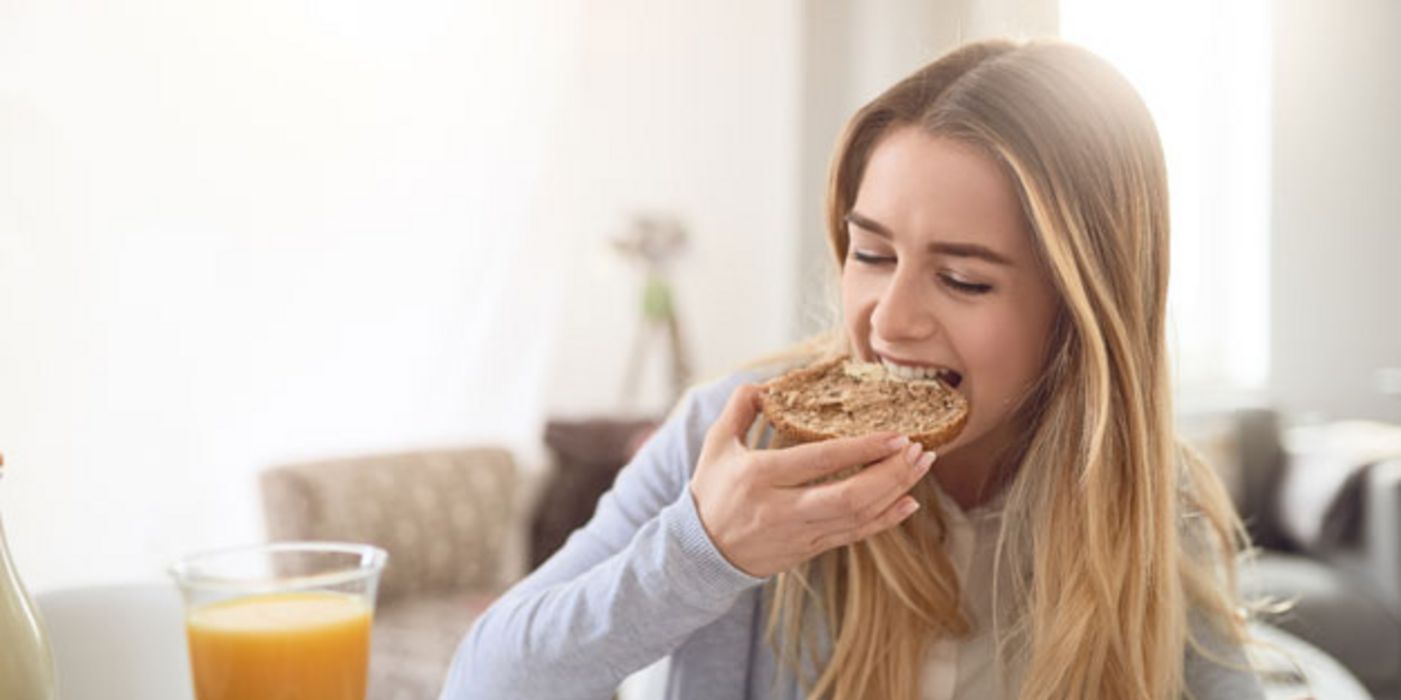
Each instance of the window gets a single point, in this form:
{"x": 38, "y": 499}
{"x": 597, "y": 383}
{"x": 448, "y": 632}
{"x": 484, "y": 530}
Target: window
{"x": 1203, "y": 67}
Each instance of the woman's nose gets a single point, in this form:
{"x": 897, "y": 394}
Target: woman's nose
{"x": 903, "y": 312}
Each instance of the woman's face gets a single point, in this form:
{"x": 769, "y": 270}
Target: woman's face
{"x": 941, "y": 273}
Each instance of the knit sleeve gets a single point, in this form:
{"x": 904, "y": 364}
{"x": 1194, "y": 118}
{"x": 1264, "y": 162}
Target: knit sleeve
{"x": 624, "y": 590}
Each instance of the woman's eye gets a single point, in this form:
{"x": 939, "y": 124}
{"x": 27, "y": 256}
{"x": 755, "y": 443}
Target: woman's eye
{"x": 869, "y": 259}
{"x": 954, "y": 283}
{"x": 965, "y": 287}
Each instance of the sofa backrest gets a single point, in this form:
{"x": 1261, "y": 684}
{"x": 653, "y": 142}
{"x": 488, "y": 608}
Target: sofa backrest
{"x": 441, "y": 515}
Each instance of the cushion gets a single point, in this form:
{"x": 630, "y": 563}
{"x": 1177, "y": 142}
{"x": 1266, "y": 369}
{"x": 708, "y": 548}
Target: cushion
{"x": 1321, "y": 495}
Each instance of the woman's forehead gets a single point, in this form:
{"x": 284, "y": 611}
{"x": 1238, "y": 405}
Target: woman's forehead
{"x": 926, "y": 189}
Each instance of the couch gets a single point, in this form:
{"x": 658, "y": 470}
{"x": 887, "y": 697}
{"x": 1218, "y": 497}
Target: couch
{"x": 459, "y": 525}
{"x": 445, "y": 518}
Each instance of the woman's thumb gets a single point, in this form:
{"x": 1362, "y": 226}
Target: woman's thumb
{"x": 739, "y": 414}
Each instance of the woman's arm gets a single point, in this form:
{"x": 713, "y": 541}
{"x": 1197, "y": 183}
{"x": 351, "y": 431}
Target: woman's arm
{"x": 623, "y": 591}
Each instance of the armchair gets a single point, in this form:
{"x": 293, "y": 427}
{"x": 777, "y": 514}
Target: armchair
{"x": 446, "y": 520}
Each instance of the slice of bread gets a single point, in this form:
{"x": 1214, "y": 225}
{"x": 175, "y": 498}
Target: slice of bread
{"x": 842, "y": 398}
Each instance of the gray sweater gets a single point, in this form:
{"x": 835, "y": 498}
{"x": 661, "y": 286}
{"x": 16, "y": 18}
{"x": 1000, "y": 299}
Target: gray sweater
{"x": 642, "y": 580}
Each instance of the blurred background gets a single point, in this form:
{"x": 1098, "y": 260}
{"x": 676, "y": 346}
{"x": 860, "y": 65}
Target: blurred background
{"x": 234, "y": 235}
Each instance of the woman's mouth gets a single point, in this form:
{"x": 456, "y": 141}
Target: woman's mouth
{"x": 913, "y": 372}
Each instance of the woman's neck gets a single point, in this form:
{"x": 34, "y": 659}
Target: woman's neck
{"x": 975, "y": 473}
{"x": 964, "y": 486}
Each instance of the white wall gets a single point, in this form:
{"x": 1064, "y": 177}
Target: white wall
{"x": 233, "y": 235}
{"x": 1336, "y": 263}
{"x": 687, "y": 108}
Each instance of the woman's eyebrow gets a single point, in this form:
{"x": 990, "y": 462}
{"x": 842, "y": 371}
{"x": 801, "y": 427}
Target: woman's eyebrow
{"x": 958, "y": 250}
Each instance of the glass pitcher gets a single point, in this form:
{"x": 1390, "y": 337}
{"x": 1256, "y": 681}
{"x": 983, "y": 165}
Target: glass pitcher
{"x": 26, "y": 662}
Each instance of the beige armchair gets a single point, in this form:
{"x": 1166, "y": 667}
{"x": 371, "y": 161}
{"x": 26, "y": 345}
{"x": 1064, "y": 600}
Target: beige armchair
{"x": 446, "y": 519}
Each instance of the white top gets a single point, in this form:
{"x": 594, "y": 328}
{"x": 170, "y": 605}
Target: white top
{"x": 966, "y": 667}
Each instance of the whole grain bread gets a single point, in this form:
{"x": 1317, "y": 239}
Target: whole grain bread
{"x": 842, "y": 398}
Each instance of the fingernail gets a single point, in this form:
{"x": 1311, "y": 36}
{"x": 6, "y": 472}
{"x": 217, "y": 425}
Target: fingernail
{"x": 909, "y": 507}
{"x": 925, "y": 461}
{"x": 912, "y": 452}
{"x": 898, "y": 442}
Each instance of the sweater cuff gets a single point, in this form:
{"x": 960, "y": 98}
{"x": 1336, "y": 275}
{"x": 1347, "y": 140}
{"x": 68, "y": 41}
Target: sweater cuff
{"x": 702, "y": 575}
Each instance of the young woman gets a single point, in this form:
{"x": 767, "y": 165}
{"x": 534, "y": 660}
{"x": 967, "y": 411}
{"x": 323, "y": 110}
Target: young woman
{"x": 1001, "y": 214}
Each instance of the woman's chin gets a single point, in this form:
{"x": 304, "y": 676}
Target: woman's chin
{"x": 968, "y": 446}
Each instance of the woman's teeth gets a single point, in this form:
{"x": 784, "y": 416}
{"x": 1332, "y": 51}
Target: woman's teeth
{"x": 916, "y": 373}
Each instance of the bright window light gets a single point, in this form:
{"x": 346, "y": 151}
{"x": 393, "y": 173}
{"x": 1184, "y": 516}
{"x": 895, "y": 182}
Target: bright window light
{"x": 1203, "y": 67}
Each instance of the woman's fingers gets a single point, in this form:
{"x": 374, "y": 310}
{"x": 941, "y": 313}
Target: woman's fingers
{"x": 795, "y": 466}
{"x": 758, "y": 514}
{"x": 863, "y": 496}
{"x": 902, "y": 508}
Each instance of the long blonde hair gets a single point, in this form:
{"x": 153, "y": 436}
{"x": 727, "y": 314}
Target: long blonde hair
{"x": 1117, "y": 532}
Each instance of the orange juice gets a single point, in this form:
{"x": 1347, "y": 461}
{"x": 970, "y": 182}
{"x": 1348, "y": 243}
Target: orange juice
{"x": 286, "y": 646}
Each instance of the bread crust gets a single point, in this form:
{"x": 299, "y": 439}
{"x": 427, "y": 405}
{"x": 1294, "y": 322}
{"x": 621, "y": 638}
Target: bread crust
{"x": 821, "y": 388}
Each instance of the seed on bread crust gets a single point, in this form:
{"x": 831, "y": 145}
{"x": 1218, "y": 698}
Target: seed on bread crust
{"x": 841, "y": 398}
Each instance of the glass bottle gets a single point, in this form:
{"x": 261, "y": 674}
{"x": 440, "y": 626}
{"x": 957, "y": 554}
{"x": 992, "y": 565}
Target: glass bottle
{"x": 26, "y": 662}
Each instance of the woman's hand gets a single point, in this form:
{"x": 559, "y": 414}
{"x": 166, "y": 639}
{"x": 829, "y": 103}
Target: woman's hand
{"x": 759, "y": 514}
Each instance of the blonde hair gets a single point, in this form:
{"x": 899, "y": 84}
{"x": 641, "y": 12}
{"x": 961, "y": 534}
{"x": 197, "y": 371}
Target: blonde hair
{"x": 1115, "y": 531}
